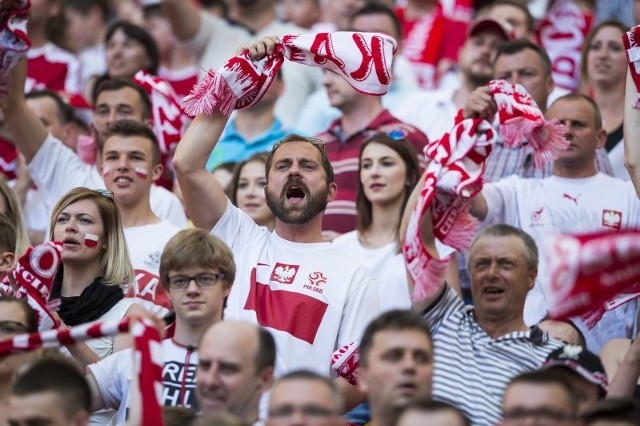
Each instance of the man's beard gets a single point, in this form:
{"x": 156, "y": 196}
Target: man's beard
{"x": 310, "y": 207}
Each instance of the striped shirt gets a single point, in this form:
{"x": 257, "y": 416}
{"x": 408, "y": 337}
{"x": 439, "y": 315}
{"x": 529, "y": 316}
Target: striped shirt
{"x": 472, "y": 370}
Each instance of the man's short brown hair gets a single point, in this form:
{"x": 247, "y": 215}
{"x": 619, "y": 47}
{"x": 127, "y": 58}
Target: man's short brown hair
{"x": 196, "y": 248}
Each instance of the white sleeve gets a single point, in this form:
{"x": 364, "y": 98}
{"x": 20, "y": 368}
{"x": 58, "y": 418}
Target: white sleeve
{"x": 237, "y": 229}
{"x": 361, "y": 308}
{"x": 112, "y": 375}
{"x": 56, "y": 169}
{"x": 501, "y": 198}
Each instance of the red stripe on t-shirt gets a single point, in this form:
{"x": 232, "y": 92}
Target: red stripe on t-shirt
{"x": 295, "y": 313}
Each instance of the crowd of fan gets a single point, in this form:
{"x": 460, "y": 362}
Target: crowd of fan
{"x": 269, "y": 241}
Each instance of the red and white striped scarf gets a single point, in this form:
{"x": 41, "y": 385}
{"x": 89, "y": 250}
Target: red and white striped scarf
{"x": 454, "y": 176}
{"x": 592, "y": 273}
{"x": 148, "y": 355}
{"x": 631, "y": 41}
{"x": 14, "y": 41}
{"x": 363, "y": 59}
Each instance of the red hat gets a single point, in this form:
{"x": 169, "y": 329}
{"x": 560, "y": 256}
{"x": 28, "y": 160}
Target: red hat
{"x": 484, "y": 23}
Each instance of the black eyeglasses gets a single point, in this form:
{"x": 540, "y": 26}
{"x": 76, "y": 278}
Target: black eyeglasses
{"x": 105, "y": 193}
{"x": 9, "y": 328}
{"x": 180, "y": 282}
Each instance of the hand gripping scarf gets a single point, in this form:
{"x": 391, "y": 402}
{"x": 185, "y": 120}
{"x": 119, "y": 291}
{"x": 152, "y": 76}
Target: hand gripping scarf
{"x": 14, "y": 41}
{"x": 363, "y": 59}
{"x": 454, "y": 175}
{"x": 630, "y": 39}
{"x": 34, "y": 274}
{"x": 592, "y": 273}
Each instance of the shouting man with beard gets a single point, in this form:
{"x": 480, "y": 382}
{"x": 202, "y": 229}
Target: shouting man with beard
{"x": 313, "y": 299}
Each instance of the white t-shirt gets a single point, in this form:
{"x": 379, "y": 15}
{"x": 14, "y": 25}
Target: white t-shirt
{"x": 56, "y": 169}
{"x": 114, "y": 374}
{"x": 543, "y": 207}
{"x": 145, "y": 244}
{"x": 311, "y": 297}
{"x": 387, "y": 267}
{"x": 431, "y": 111}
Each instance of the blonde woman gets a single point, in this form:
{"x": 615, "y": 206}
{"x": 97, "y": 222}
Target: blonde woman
{"x": 95, "y": 268}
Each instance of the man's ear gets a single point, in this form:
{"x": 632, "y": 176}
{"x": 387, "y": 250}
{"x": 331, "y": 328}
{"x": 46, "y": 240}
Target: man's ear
{"x": 333, "y": 191}
{"x": 266, "y": 378}
{"x": 7, "y": 261}
{"x": 156, "y": 172}
{"x": 602, "y": 138}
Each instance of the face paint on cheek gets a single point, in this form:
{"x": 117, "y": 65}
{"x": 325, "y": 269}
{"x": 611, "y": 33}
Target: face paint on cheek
{"x": 106, "y": 172}
{"x": 142, "y": 172}
{"x": 90, "y": 240}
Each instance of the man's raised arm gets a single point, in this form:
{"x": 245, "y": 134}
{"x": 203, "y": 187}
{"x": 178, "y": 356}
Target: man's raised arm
{"x": 204, "y": 198}
{"x": 183, "y": 16}
{"x": 428, "y": 239}
{"x": 27, "y": 131}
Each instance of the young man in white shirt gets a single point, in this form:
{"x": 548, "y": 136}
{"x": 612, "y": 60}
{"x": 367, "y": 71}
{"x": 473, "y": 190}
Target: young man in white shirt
{"x": 196, "y": 271}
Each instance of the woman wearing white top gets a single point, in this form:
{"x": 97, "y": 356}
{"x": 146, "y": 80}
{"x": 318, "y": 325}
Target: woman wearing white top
{"x": 388, "y": 169}
{"x": 603, "y": 68}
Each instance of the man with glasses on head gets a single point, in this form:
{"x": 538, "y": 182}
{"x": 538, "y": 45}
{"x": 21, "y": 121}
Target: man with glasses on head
{"x": 361, "y": 117}
{"x": 303, "y": 397}
{"x": 196, "y": 271}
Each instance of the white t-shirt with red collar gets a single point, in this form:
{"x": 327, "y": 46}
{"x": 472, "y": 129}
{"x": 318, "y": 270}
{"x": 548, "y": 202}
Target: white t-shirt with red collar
{"x": 310, "y": 296}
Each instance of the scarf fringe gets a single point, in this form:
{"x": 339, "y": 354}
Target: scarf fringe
{"x": 462, "y": 232}
{"x": 202, "y": 98}
{"x": 434, "y": 272}
{"x": 546, "y": 138}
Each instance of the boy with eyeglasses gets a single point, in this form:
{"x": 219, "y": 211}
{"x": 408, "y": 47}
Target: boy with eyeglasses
{"x": 196, "y": 271}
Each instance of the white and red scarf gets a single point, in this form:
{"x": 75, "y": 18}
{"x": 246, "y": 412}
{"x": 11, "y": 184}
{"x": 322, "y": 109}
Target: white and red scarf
{"x": 148, "y": 355}
{"x": 592, "y": 273}
{"x": 454, "y": 175}
{"x": 14, "y": 41}
{"x": 562, "y": 33}
{"x": 363, "y": 59}
{"x": 149, "y": 364}
{"x": 631, "y": 41}
{"x": 34, "y": 274}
